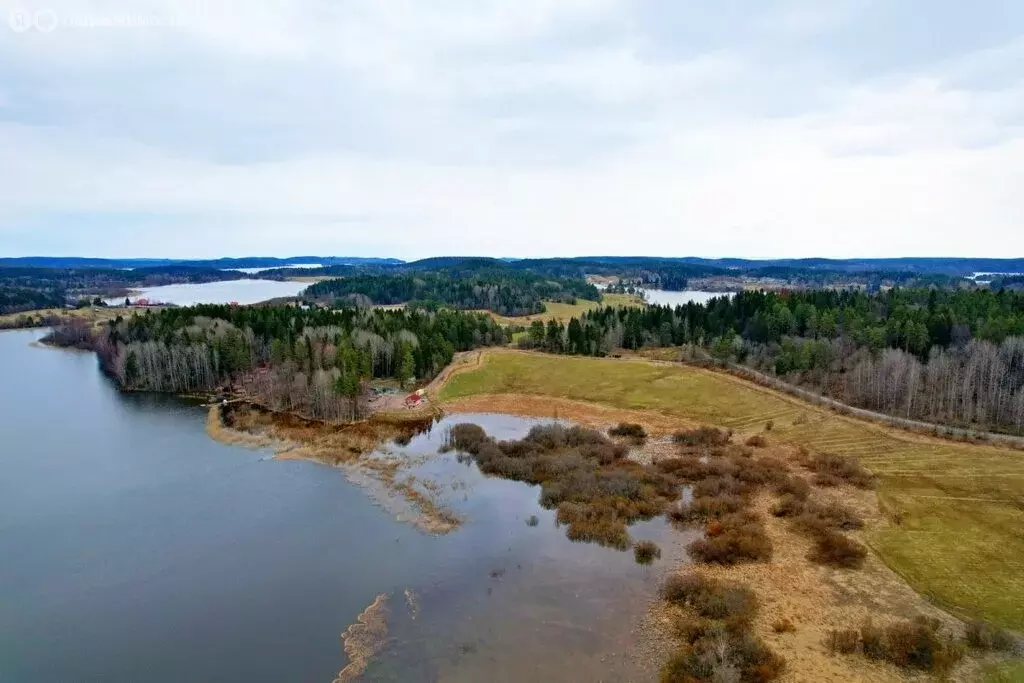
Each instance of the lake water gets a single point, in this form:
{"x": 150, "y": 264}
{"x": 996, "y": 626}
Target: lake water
{"x": 242, "y": 291}
{"x": 136, "y": 548}
{"x": 664, "y": 297}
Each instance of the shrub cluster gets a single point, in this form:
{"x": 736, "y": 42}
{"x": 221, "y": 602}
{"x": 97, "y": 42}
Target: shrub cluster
{"x": 646, "y": 552}
{"x": 702, "y": 436}
{"x": 582, "y": 474}
{"x": 757, "y": 441}
{"x": 918, "y": 644}
{"x": 823, "y": 523}
{"x": 714, "y": 627}
{"x": 731, "y": 539}
{"x": 983, "y": 636}
{"x": 629, "y": 430}
{"x": 834, "y": 470}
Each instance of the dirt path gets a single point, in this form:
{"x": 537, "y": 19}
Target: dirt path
{"x": 461, "y": 362}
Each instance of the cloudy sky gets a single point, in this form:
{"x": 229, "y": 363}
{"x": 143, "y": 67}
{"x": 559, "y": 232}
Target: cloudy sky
{"x": 194, "y": 128}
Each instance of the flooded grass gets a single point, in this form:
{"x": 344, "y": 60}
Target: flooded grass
{"x": 363, "y": 640}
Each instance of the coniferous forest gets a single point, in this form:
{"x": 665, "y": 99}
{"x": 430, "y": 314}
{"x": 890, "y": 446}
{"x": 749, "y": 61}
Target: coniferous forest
{"x": 950, "y": 356}
{"x": 505, "y": 292}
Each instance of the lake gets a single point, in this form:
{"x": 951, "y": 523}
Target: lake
{"x": 137, "y": 548}
{"x": 664, "y": 297}
{"x": 243, "y": 291}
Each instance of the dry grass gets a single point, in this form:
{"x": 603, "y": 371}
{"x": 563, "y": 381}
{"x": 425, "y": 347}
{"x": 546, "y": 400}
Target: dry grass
{"x": 364, "y": 639}
{"x": 955, "y": 510}
{"x": 94, "y": 316}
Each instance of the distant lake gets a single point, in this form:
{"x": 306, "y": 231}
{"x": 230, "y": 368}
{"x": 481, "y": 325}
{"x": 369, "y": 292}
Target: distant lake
{"x": 242, "y": 291}
{"x": 136, "y": 548}
{"x": 665, "y": 297}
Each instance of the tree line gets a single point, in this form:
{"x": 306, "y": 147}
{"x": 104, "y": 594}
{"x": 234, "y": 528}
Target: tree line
{"x": 939, "y": 355}
{"x": 313, "y": 361}
{"x": 505, "y": 292}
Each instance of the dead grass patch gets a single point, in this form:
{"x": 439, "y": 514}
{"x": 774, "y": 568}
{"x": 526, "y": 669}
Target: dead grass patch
{"x": 363, "y": 639}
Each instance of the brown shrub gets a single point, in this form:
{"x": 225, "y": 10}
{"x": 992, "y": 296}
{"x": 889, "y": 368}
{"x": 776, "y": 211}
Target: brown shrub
{"x": 629, "y": 430}
{"x": 757, "y": 662}
{"x": 783, "y": 625}
{"x": 833, "y": 549}
{"x": 757, "y": 441}
{"x": 603, "y": 453}
{"x": 690, "y": 628}
{"x": 684, "y": 469}
{"x": 733, "y": 544}
{"x": 830, "y": 468}
{"x": 646, "y": 552}
{"x": 788, "y": 506}
{"x": 986, "y": 636}
{"x": 843, "y": 642}
{"x": 826, "y": 480}
{"x": 817, "y": 519}
{"x": 872, "y": 640}
{"x": 760, "y": 471}
{"x": 710, "y": 598}
{"x": 835, "y": 516}
{"x": 718, "y": 486}
{"x": 702, "y": 436}
{"x": 467, "y": 437}
{"x": 793, "y": 486}
{"x": 594, "y": 525}
{"x": 678, "y": 588}
{"x": 920, "y": 645}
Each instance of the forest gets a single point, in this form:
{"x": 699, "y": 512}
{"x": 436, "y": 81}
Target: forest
{"x": 503, "y": 291}
{"x": 949, "y": 356}
{"x": 312, "y": 361}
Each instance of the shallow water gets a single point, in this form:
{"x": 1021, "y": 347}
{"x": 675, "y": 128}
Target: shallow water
{"x": 241, "y": 291}
{"x": 136, "y": 548}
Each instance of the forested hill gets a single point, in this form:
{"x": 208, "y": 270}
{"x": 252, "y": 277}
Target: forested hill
{"x": 25, "y": 288}
{"x": 946, "y": 356}
{"x": 505, "y": 292}
{"x": 314, "y": 361}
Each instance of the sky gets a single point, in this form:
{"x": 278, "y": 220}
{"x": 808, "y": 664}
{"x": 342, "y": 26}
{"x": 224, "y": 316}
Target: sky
{"x": 515, "y": 128}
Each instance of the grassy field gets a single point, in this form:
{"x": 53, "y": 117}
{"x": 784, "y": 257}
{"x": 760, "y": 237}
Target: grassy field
{"x": 554, "y": 310}
{"x": 93, "y": 315}
{"x": 1010, "y": 672}
{"x": 960, "y": 537}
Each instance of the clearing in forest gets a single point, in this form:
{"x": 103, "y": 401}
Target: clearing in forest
{"x": 955, "y": 510}
{"x": 554, "y": 310}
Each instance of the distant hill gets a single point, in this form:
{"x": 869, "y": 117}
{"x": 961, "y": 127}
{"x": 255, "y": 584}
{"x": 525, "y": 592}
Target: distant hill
{"x": 693, "y": 265}
{"x": 222, "y": 263}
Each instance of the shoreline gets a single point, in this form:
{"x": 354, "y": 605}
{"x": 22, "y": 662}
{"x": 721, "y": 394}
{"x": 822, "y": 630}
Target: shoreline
{"x": 358, "y": 449}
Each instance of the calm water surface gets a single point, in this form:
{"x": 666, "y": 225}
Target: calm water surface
{"x": 664, "y": 297}
{"x": 242, "y": 291}
{"x": 136, "y": 548}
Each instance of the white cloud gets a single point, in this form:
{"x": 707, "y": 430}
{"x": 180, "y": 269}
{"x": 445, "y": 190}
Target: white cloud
{"x": 531, "y": 128}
